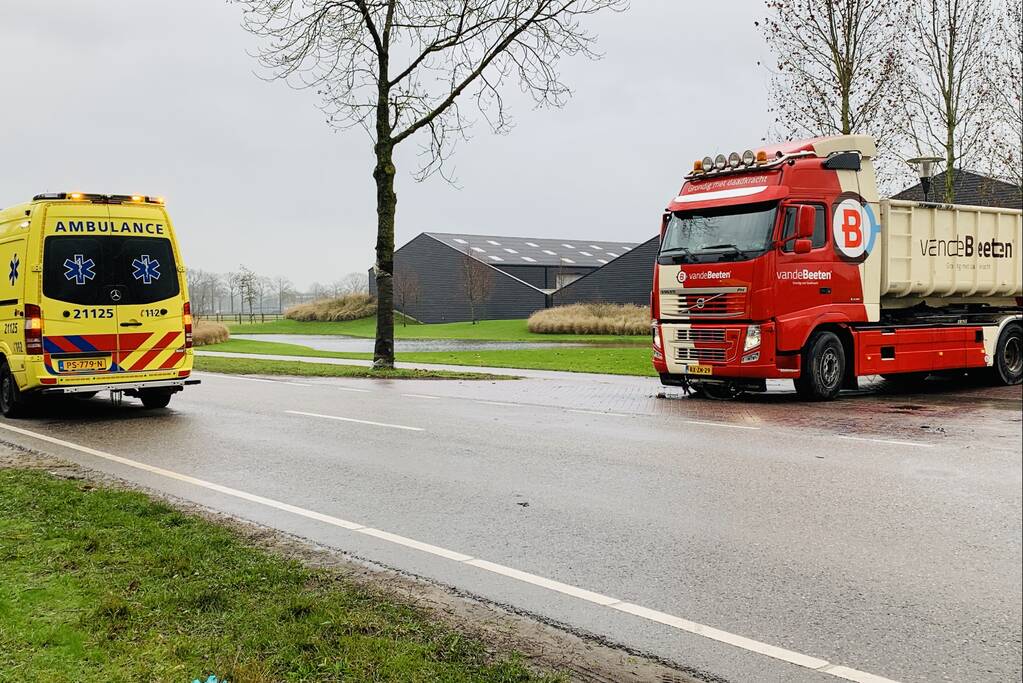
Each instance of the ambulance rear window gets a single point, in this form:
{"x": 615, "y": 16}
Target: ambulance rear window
{"x": 94, "y": 271}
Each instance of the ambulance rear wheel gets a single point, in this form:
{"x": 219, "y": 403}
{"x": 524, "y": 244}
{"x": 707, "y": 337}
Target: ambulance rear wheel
{"x": 823, "y": 368}
{"x": 12, "y": 403}
{"x": 155, "y": 398}
{"x": 1008, "y": 365}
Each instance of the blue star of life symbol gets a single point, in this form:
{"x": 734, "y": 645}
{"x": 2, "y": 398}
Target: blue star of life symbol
{"x": 146, "y": 269}
{"x": 15, "y": 262}
{"x": 211, "y": 679}
{"x": 80, "y": 269}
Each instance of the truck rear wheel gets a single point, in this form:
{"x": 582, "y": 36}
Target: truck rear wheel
{"x": 1008, "y": 365}
{"x": 155, "y": 398}
{"x": 12, "y": 403}
{"x": 823, "y": 368}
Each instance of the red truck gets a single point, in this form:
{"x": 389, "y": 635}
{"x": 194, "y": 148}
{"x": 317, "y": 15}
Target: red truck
{"x": 785, "y": 263}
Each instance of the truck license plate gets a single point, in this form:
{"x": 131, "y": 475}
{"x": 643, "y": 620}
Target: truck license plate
{"x": 699, "y": 370}
{"x": 83, "y": 365}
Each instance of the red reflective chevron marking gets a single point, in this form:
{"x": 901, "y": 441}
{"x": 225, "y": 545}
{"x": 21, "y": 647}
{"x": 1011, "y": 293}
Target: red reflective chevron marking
{"x": 150, "y": 355}
{"x": 64, "y": 344}
{"x": 131, "y": 341}
{"x": 172, "y": 360}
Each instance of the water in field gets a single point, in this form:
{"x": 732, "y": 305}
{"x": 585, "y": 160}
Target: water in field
{"x": 331, "y": 342}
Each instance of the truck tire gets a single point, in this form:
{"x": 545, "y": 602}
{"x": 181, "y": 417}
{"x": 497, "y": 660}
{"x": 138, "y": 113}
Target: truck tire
{"x": 1008, "y": 365}
{"x": 155, "y": 398}
{"x": 823, "y": 368}
{"x": 12, "y": 403}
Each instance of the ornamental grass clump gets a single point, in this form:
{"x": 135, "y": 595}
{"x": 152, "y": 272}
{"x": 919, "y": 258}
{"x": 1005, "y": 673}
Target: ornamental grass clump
{"x": 620, "y": 319}
{"x": 347, "y": 307}
{"x": 205, "y": 332}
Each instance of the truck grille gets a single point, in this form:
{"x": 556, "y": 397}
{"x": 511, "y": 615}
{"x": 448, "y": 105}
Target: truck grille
{"x": 723, "y": 302}
{"x": 701, "y": 355}
{"x": 698, "y": 334}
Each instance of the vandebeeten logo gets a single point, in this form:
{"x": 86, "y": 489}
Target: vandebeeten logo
{"x": 854, "y": 227}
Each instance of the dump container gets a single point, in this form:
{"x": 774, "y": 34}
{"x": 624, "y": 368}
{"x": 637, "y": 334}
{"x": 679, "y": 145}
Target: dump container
{"x": 963, "y": 252}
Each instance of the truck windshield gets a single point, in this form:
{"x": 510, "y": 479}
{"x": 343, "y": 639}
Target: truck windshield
{"x": 84, "y": 270}
{"x": 731, "y": 233}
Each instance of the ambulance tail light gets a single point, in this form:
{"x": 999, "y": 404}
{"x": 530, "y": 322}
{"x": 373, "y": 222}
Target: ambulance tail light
{"x": 33, "y": 330}
{"x": 186, "y": 317}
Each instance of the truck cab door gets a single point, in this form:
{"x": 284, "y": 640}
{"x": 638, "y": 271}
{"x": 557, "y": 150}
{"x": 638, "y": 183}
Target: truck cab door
{"x": 803, "y": 281}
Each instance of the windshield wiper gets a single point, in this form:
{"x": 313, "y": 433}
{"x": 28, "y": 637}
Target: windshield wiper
{"x": 734, "y": 248}
{"x": 669, "y": 252}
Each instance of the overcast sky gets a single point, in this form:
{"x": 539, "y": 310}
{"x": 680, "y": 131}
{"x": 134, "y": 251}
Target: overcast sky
{"x": 157, "y": 97}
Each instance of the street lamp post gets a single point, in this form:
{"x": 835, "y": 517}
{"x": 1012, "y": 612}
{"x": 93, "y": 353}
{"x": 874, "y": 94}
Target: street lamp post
{"x": 924, "y": 169}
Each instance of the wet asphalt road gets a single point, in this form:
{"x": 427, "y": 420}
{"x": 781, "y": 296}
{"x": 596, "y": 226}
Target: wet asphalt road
{"x": 881, "y": 532}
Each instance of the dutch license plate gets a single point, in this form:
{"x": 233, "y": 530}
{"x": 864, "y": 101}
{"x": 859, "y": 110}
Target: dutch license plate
{"x": 84, "y": 365}
{"x": 699, "y": 370}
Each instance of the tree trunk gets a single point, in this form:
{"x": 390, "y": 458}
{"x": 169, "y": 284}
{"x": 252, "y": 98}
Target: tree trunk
{"x": 387, "y": 202}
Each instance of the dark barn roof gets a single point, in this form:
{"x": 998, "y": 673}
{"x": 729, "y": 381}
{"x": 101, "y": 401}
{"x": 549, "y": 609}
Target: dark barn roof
{"x": 534, "y": 251}
{"x": 971, "y": 189}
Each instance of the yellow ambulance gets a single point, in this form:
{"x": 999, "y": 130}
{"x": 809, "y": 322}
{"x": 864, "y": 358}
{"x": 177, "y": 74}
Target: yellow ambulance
{"x": 94, "y": 299}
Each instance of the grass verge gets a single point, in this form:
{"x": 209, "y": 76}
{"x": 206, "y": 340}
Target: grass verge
{"x": 602, "y": 360}
{"x": 252, "y": 366}
{"x": 103, "y": 585}
{"x": 486, "y": 330}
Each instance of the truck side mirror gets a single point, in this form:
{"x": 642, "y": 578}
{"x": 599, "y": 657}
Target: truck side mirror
{"x": 806, "y": 221}
{"x": 803, "y": 246}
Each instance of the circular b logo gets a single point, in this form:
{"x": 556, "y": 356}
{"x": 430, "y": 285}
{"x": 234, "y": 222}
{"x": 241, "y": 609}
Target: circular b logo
{"x": 854, "y": 228}
{"x": 681, "y": 277}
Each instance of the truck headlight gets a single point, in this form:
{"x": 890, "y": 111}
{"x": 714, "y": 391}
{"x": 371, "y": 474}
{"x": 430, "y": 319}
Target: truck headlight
{"x": 655, "y": 330}
{"x": 752, "y": 338}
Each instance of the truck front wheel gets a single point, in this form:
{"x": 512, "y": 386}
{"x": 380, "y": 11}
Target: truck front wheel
{"x": 823, "y": 368}
{"x": 1008, "y": 365}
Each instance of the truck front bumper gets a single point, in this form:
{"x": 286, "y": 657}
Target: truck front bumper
{"x": 707, "y": 352}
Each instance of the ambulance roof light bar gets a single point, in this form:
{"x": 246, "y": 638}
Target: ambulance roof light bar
{"x": 99, "y": 198}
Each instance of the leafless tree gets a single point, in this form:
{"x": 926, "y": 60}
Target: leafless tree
{"x": 285, "y": 290}
{"x": 950, "y": 106}
{"x": 1007, "y": 90}
{"x": 401, "y": 69}
{"x": 838, "y": 68}
{"x": 477, "y": 280}
{"x": 353, "y": 283}
{"x": 407, "y": 291}
{"x": 247, "y": 288}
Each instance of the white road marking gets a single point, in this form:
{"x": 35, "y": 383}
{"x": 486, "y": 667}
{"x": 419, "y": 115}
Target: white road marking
{"x": 254, "y": 379}
{"x": 741, "y": 642}
{"x": 597, "y": 412}
{"x": 718, "y": 424}
{"x": 352, "y": 419}
{"x": 420, "y": 396}
{"x": 888, "y": 441}
{"x": 502, "y": 404}
{"x": 361, "y": 391}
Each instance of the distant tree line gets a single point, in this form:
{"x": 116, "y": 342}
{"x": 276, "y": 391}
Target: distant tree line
{"x": 244, "y": 291}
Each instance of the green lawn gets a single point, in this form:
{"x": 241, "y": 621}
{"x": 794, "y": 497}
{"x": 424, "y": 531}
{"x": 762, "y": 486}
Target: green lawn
{"x": 253, "y": 366}
{"x": 633, "y": 360}
{"x": 486, "y": 330}
{"x": 98, "y": 585}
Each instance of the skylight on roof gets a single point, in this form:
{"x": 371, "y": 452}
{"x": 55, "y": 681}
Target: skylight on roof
{"x": 460, "y": 241}
{"x": 549, "y": 252}
{"x": 585, "y": 253}
{"x": 567, "y": 260}
{"x": 533, "y": 244}
{"x": 510, "y": 251}
{"x": 478, "y": 250}
{"x": 611, "y": 253}
{"x": 600, "y": 260}
{"x": 567, "y": 246}
{"x": 530, "y": 260}
{"x": 496, "y": 244}
{"x": 594, "y": 246}
{"x": 495, "y": 258}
